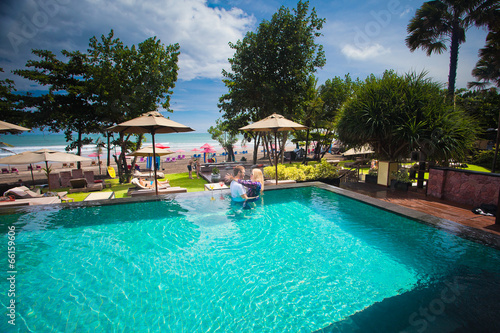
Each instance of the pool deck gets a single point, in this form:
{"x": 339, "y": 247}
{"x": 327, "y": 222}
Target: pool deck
{"x": 420, "y": 202}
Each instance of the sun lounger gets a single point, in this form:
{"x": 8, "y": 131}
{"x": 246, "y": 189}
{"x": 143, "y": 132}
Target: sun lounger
{"x": 150, "y": 192}
{"x": 22, "y": 192}
{"x": 100, "y": 196}
{"x": 64, "y": 197}
{"x": 92, "y": 184}
{"x": 81, "y": 185}
{"x": 136, "y": 182}
{"x": 5, "y": 170}
{"x": 139, "y": 174}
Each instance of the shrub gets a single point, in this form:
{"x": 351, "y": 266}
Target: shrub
{"x": 326, "y": 170}
{"x": 484, "y": 158}
{"x": 322, "y": 170}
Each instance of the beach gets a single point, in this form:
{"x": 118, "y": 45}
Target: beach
{"x": 186, "y": 144}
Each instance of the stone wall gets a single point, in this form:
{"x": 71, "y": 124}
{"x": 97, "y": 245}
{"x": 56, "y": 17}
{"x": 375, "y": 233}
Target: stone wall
{"x": 465, "y": 187}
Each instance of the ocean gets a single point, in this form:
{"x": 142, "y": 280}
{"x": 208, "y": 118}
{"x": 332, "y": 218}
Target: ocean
{"x": 56, "y": 141}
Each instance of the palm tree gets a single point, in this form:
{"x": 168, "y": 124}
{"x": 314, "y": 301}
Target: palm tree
{"x": 487, "y": 68}
{"x": 446, "y": 21}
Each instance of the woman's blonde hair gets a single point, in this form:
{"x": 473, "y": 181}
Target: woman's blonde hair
{"x": 258, "y": 177}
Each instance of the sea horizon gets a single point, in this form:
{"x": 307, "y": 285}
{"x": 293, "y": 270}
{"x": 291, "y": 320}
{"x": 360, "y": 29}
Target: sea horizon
{"x": 56, "y": 141}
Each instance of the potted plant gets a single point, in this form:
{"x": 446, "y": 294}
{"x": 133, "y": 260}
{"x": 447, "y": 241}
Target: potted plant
{"x": 215, "y": 175}
{"x": 372, "y": 176}
{"x": 402, "y": 180}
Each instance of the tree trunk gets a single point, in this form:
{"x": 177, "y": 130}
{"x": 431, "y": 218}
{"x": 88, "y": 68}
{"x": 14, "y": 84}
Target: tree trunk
{"x": 304, "y": 161}
{"x": 453, "y": 61}
{"x": 79, "y": 149}
{"x": 108, "y": 163}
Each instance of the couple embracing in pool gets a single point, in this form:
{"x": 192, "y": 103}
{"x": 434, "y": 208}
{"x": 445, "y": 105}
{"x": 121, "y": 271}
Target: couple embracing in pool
{"x": 245, "y": 190}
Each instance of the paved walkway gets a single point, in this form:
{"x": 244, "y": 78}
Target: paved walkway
{"x": 419, "y": 201}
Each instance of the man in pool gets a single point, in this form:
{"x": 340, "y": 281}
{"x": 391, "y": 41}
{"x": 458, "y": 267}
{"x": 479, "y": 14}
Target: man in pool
{"x": 238, "y": 192}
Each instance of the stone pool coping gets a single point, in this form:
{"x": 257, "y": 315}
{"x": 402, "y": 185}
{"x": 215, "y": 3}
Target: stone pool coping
{"x": 455, "y": 228}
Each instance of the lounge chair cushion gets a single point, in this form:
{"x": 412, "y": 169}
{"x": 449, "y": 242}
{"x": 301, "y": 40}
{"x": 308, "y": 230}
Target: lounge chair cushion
{"x": 22, "y": 192}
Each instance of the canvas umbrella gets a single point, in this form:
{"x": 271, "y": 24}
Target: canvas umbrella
{"x": 6, "y": 127}
{"x": 150, "y": 122}
{"x": 206, "y": 145}
{"x": 42, "y": 155}
{"x": 274, "y": 123}
{"x": 148, "y": 152}
{"x": 207, "y": 151}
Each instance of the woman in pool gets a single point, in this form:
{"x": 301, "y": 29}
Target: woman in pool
{"x": 255, "y": 186}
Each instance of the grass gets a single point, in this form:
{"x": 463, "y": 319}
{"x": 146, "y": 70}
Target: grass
{"x": 176, "y": 179}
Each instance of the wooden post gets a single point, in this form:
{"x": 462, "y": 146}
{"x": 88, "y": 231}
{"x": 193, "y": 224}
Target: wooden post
{"x": 497, "y": 218}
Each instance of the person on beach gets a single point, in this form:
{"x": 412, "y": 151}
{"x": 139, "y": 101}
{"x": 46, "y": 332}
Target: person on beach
{"x": 255, "y": 186}
{"x": 149, "y": 184}
{"x": 197, "y": 166}
{"x": 190, "y": 167}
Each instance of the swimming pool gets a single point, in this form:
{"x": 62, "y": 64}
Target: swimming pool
{"x": 305, "y": 259}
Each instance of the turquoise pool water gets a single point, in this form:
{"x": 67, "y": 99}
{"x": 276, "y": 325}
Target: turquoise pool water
{"x": 303, "y": 260}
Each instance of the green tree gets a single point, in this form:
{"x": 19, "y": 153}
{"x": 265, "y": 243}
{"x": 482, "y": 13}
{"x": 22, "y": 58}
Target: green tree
{"x": 399, "y": 114}
{"x": 128, "y": 81}
{"x": 439, "y": 22}
{"x": 220, "y": 133}
{"x": 9, "y": 109}
{"x": 487, "y": 68}
{"x": 66, "y": 106}
{"x": 271, "y": 67}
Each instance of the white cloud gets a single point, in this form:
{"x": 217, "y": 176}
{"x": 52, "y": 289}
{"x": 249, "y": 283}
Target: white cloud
{"x": 364, "y": 52}
{"x": 202, "y": 31}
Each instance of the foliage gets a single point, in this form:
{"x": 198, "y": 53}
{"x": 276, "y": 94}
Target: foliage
{"x": 226, "y": 138}
{"x": 299, "y": 172}
{"x": 487, "y": 69}
{"x": 215, "y": 171}
{"x": 439, "y": 21}
{"x": 401, "y": 176}
{"x": 398, "y": 114}
{"x": 65, "y": 107}
{"x": 271, "y": 67}
{"x": 484, "y": 158}
{"x": 481, "y": 105}
{"x": 9, "y": 109}
{"x": 373, "y": 172}
{"x": 125, "y": 82}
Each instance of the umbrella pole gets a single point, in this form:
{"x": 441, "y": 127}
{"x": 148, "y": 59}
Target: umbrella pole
{"x": 32, "y": 177}
{"x": 154, "y": 161}
{"x": 276, "y": 156}
{"x": 47, "y": 169}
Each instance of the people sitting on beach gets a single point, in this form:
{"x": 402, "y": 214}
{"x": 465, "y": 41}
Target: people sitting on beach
{"x": 149, "y": 184}
{"x": 255, "y": 186}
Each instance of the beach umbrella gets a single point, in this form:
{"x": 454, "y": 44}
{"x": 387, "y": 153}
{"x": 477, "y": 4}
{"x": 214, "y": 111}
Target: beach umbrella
{"x": 180, "y": 151}
{"x": 161, "y": 146}
{"x": 150, "y": 122}
{"x": 42, "y": 155}
{"x": 207, "y": 151}
{"x": 6, "y": 127}
{"x": 95, "y": 155}
{"x": 206, "y": 145}
{"x": 195, "y": 149}
{"x": 274, "y": 123}
{"x": 148, "y": 152}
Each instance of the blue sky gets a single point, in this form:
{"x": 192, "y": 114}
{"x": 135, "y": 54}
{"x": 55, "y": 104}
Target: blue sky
{"x": 359, "y": 37}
